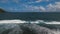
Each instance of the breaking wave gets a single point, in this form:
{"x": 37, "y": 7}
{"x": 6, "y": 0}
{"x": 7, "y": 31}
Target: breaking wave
{"x": 23, "y": 27}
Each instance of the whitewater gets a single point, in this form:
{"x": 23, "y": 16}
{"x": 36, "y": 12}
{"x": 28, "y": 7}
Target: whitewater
{"x": 9, "y": 24}
{"x": 21, "y": 21}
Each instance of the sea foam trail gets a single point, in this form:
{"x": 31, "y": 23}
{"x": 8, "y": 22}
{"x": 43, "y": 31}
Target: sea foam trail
{"x": 19, "y": 21}
{"x": 12, "y": 21}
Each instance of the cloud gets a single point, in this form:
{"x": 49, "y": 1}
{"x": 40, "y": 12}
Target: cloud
{"x": 14, "y": 9}
{"x": 57, "y": 5}
{"x": 26, "y": 7}
{"x": 49, "y": 8}
{"x": 16, "y": 1}
{"x": 35, "y": 8}
{"x": 42, "y": 8}
{"x": 30, "y": 8}
{"x": 4, "y": 1}
{"x": 53, "y": 7}
{"x": 37, "y": 1}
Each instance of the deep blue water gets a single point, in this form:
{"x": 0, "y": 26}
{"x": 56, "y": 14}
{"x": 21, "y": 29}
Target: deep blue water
{"x": 50, "y": 16}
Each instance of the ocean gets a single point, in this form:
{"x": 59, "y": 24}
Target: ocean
{"x": 41, "y": 23}
{"x": 31, "y": 16}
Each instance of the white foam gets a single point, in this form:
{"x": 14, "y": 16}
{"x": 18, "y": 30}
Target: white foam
{"x": 21, "y": 21}
{"x": 12, "y": 21}
{"x": 53, "y": 22}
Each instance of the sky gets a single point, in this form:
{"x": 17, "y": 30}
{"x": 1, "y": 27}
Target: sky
{"x": 30, "y": 5}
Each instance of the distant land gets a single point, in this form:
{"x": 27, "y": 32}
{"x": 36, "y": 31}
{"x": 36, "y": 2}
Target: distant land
{"x": 2, "y": 11}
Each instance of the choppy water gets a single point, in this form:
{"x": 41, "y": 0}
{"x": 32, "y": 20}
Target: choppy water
{"x": 23, "y": 29}
{"x": 10, "y": 23}
{"x": 50, "y": 16}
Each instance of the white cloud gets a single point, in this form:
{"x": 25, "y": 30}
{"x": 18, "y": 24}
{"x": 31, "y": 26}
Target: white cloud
{"x": 42, "y": 8}
{"x": 14, "y": 9}
{"x": 4, "y": 1}
{"x": 30, "y": 8}
{"x": 57, "y": 5}
{"x": 53, "y": 7}
{"x": 16, "y": 1}
{"x": 50, "y": 8}
{"x": 33, "y": 8}
{"x": 39, "y": 8}
{"x": 37, "y": 1}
